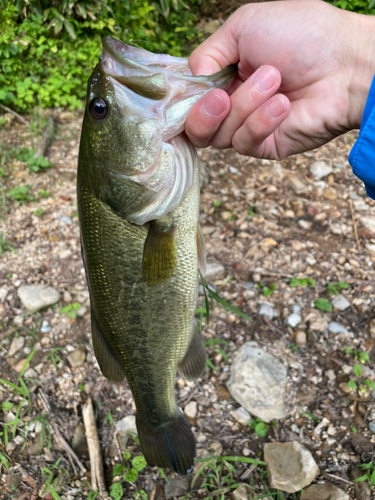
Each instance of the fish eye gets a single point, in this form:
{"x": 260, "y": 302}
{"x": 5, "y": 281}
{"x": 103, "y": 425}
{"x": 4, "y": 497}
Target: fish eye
{"x": 98, "y": 108}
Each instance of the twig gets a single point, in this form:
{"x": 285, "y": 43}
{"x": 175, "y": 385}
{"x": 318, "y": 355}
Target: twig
{"x": 338, "y": 478}
{"x": 247, "y": 472}
{"x": 354, "y": 224}
{"x": 95, "y": 452}
{"x": 72, "y": 456}
{"x": 47, "y": 138}
{"x": 19, "y": 118}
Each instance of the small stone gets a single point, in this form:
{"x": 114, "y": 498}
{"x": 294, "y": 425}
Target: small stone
{"x": 294, "y": 319}
{"x": 176, "y": 486}
{"x": 371, "y": 426}
{"x": 368, "y": 223}
{"x": 191, "y": 409}
{"x": 18, "y": 320}
{"x": 35, "y": 297}
{"x": 201, "y": 438}
{"x": 297, "y": 185}
{"x": 3, "y": 293}
{"x": 278, "y": 171}
{"x": 320, "y": 169}
{"x": 343, "y": 386}
{"x": 322, "y": 425}
{"x": 301, "y": 338}
{"x": 127, "y": 424}
{"x": 330, "y": 374}
{"x": 266, "y": 310}
{"x": 340, "y": 303}
{"x": 347, "y": 369}
{"x": 289, "y": 214}
{"x": 214, "y": 271}
{"x": 67, "y": 297}
{"x": 45, "y": 328}
{"x": 81, "y": 311}
{"x": 331, "y": 431}
{"x": 258, "y": 381}
{"x": 290, "y": 466}
{"x": 305, "y": 224}
{"x": 329, "y": 194}
{"x": 324, "y": 491}
{"x": 270, "y": 242}
{"x": 13, "y": 482}
{"x": 16, "y": 345}
{"x": 241, "y": 415}
{"x": 77, "y": 357}
{"x": 30, "y": 373}
{"x": 335, "y": 328}
{"x": 66, "y": 220}
{"x": 216, "y": 448}
{"x": 241, "y": 493}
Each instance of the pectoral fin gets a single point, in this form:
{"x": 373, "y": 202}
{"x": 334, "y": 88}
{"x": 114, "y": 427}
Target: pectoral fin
{"x": 201, "y": 251}
{"x": 194, "y": 362}
{"x": 159, "y": 255}
{"x": 109, "y": 364}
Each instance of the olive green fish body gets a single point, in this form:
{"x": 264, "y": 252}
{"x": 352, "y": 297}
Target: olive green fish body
{"x": 138, "y": 202}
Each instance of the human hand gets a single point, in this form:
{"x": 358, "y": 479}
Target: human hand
{"x": 304, "y": 72}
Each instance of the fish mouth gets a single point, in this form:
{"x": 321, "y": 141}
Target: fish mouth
{"x": 141, "y": 71}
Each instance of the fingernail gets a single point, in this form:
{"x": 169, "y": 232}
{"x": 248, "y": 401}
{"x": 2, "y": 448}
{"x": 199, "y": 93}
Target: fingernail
{"x": 264, "y": 79}
{"x": 213, "y": 105}
{"x": 275, "y": 108}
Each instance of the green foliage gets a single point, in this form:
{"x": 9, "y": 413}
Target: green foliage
{"x": 323, "y": 305}
{"x": 48, "y": 49}
{"x": 333, "y": 289}
{"x": 208, "y": 293}
{"x": 294, "y": 282}
{"x": 129, "y": 473}
{"x": 71, "y": 310}
{"x": 260, "y": 428}
{"x": 357, "y": 370}
{"x": 370, "y": 474}
{"x": 6, "y": 405}
{"x": 5, "y": 245}
{"x": 266, "y": 291}
{"x": 360, "y": 6}
{"x": 28, "y": 155}
{"x": 360, "y": 356}
{"x": 55, "y": 358}
{"x": 21, "y": 194}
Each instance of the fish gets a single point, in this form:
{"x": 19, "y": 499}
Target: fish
{"x": 138, "y": 206}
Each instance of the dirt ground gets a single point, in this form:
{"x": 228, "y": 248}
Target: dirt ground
{"x": 265, "y": 235}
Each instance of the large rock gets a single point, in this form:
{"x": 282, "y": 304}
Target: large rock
{"x": 35, "y": 297}
{"x": 324, "y": 491}
{"x": 290, "y": 466}
{"x": 257, "y": 382}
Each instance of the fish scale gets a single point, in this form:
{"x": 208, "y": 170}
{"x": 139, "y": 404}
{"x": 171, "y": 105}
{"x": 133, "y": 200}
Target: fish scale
{"x": 140, "y": 240}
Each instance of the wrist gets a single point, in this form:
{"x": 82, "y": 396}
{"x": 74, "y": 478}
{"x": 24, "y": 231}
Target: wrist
{"x": 363, "y": 69}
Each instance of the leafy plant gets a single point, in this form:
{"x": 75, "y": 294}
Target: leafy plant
{"x": 253, "y": 209}
{"x": 362, "y": 385}
{"x": 266, "y": 291}
{"x": 129, "y": 473}
{"x": 370, "y": 473}
{"x": 323, "y": 305}
{"x": 28, "y": 156}
{"x": 21, "y": 194}
{"x": 334, "y": 289}
{"x": 360, "y": 356}
{"x": 259, "y": 427}
{"x": 294, "y": 282}
{"x": 71, "y": 309}
{"x": 5, "y": 245}
{"x": 360, "y": 6}
{"x": 219, "y": 474}
{"x": 52, "y": 477}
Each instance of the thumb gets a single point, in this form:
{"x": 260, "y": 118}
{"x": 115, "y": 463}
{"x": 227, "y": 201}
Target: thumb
{"x": 217, "y": 52}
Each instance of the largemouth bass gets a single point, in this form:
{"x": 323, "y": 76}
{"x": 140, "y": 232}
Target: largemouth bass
{"x": 138, "y": 201}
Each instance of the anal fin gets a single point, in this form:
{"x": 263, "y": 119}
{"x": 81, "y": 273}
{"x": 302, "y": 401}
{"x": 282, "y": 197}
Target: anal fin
{"x": 194, "y": 362}
{"x": 109, "y": 365}
{"x": 159, "y": 254}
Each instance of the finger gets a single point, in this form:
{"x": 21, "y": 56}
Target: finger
{"x": 219, "y": 50}
{"x": 245, "y": 100}
{"x": 255, "y": 137}
{"x": 205, "y": 117}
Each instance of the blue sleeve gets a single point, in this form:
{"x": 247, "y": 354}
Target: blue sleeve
{"x": 362, "y": 155}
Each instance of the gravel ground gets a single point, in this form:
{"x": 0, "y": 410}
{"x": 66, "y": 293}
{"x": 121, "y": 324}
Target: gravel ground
{"x": 268, "y": 224}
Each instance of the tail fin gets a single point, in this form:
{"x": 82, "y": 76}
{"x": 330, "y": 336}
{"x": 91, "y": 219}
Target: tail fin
{"x": 168, "y": 444}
